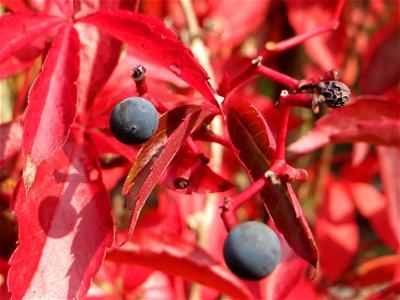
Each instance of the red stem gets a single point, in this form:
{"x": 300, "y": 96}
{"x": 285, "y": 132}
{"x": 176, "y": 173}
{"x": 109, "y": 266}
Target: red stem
{"x": 277, "y": 76}
{"x": 248, "y": 72}
{"x": 232, "y": 204}
{"x": 281, "y": 138}
{"x": 301, "y": 100}
{"x": 298, "y": 39}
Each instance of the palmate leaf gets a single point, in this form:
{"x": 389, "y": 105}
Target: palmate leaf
{"x": 65, "y": 225}
{"x": 254, "y": 146}
{"x": 156, "y": 154}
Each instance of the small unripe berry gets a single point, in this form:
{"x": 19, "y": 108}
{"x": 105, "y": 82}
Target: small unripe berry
{"x": 134, "y": 120}
{"x": 252, "y": 250}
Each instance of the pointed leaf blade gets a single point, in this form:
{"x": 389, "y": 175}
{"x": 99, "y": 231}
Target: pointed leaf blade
{"x": 174, "y": 127}
{"x": 255, "y": 147}
{"x": 18, "y": 30}
{"x": 150, "y": 36}
{"x": 52, "y": 100}
{"x": 65, "y": 226}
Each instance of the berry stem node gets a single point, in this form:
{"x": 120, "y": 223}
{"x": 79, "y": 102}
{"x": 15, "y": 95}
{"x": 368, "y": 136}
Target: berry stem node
{"x": 257, "y": 61}
{"x": 274, "y": 178}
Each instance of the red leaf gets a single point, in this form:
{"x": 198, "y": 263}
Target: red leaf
{"x": 371, "y": 119}
{"x": 304, "y": 289}
{"x": 21, "y": 29}
{"x": 152, "y": 38}
{"x": 22, "y": 59}
{"x": 100, "y": 52}
{"x": 381, "y": 63}
{"x": 286, "y": 275}
{"x": 374, "y": 206}
{"x": 52, "y": 99}
{"x": 389, "y": 162}
{"x": 327, "y": 50}
{"x": 10, "y": 140}
{"x": 336, "y": 231}
{"x": 106, "y": 143}
{"x": 254, "y": 146}
{"x": 172, "y": 254}
{"x": 65, "y": 226}
{"x": 205, "y": 180}
{"x": 174, "y": 127}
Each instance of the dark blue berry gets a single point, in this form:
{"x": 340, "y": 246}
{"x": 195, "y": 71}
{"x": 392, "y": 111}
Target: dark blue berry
{"x": 252, "y": 250}
{"x": 134, "y": 120}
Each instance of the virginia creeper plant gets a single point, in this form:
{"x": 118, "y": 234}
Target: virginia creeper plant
{"x": 284, "y": 112}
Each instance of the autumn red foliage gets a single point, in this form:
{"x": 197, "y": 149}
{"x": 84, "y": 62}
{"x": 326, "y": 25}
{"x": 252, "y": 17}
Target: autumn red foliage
{"x": 244, "y": 134}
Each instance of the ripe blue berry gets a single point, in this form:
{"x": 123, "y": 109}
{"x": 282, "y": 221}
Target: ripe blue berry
{"x": 134, "y": 120}
{"x": 252, "y": 250}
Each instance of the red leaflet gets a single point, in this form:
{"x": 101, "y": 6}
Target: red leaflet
{"x": 304, "y": 289}
{"x": 23, "y": 58}
{"x": 372, "y": 119}
{"x": 255, "y": 146}
{"x": 151, "y": 37}
{"x": 374, "y": 206}
{"x": 100, "y": 52}
{"x": 173, "y": 254}
{"x": 327, "y": 50}
{"x": 382, "y": 49}
{"x": 19, "y": 30}
{"x": 336, "y": 231}
{"x": 65, "y": 225}
{"x": 286, "y": 275}
{"x": 104, "y": 143}
{"x": 174, "y": 127}
{"x": 10, "y": 140}
{"x": 204, "y": 180}
{"x": 389, "y": 162}
{"x": 52, "y": 99}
